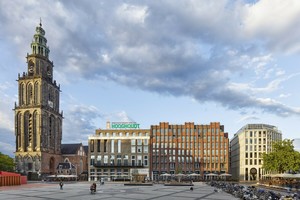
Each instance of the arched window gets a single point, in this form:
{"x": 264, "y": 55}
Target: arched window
{"x": 27, "y": 135}
{"x": 21, "y": 95}
{"x": 29, "y": 94}
{"x": 18, "y": 131}
{"x": 36, "y": 93}
{"x": 34, "y": 130}
{"x": 51, "y": 131}
{"x": 56, "y": 100}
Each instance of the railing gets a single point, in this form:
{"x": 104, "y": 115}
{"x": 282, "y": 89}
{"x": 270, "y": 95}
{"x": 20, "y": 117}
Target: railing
{"x": 102, "y": 165}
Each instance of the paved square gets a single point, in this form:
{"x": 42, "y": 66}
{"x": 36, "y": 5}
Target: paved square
{"x": 111, "y": 191}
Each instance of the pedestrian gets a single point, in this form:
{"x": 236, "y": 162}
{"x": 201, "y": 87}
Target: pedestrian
{"x": 61, "y": 184}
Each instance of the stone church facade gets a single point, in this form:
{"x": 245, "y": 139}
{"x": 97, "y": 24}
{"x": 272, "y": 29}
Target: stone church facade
{"x": 38, "y": 119}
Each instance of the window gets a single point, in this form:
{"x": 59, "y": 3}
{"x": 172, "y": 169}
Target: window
{"x": 92, "y": 160}
{"x": 119, "y": 157}
{"x": 132, "y": 160}
{"x": 98, "y": 145}
{"x": 105, "y": 145}
{"x": 145, "y": 149}
{"x": 139, "y": 149}
{"x": 92, "y": 146}
{"x": 112, "y": 146}
{"x": 145, "y": 141}
{"x": 99, "y": 160}
{"x": 139, "y": 159}
{"x": 125, "y": 160}
{"x": 119, "y": 146}
{"x": 105, "y": 159}
{"x": 139, "y": 142}
{"x": 112, "y": 160}
{"x": 132, "y": 142}
{"x": 132, "y": 149}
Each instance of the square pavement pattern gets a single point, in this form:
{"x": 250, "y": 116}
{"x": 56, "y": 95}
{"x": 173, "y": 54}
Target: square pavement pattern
{"x": 111, "y": 191}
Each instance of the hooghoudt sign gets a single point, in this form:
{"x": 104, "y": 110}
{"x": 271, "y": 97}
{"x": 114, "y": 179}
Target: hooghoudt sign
{"x": 124, "y": 125}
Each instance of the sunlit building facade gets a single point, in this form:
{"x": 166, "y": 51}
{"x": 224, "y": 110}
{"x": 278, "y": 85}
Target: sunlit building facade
{"x": 247, "y": 147}
{"x": 188, "y": 148}
{"x": 118, "y": 151}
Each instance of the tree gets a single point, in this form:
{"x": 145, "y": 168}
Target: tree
{"x": 6, "y": 163}
{"x": 282, "y": 158}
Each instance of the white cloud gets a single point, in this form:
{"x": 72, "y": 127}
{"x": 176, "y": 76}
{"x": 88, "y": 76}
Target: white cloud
{"x": 278, "y": 26}
{"x": 132, "y": 13}
{"x": 284, "y": 95}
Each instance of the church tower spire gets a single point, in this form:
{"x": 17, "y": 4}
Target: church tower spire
{"x": 38, "y": 120}
{"x": 39, "y": 43}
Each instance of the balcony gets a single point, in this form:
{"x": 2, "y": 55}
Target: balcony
{"x": 101, "y": 165}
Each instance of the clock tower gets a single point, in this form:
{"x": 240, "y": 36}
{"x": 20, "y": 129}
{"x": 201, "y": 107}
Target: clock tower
{"x": 38, "y": 120}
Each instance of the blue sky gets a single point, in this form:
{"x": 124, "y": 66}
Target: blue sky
{"x": 236, "y": 62}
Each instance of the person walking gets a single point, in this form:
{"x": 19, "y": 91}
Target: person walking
{"x": 61, "y": 184}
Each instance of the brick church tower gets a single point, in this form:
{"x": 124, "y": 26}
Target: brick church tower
{"x": 38, "y": 120}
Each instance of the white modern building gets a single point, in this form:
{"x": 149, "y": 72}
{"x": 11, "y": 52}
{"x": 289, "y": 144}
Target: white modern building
{"x": 246, "y": 149}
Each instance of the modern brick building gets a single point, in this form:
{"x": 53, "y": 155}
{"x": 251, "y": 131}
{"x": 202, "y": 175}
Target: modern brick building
{"x": 246, "y": 148}
{"x": 188, "y": 148}
{"x": 119, "y": 151}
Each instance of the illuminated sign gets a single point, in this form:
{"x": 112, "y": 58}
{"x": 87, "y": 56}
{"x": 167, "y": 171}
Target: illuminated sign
{"x": 125, "y": 125}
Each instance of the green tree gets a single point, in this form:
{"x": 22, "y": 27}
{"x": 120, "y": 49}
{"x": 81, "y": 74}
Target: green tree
{"x": 282, "y": 158}
{"x": 6, "y": 163}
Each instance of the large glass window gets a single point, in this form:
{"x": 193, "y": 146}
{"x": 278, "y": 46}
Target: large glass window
{"x": 139, "y": 142}
{"x": 132, "y": 149}
{"x": 99, "y": 160}
{"x": 92, "y": 145}
{"x": 145, "y": 160}
{"x": 112, "y": 146}
{"x": 98, "y": 145}
{"x": 139, "y": 159}
{"x": 132, "y": 160}
{"x": 139, "y": 149}
{"x": 145, "y": 149}
{"x": 112, "y": 160}
{"x": 92, "y": 160}
{"x": 105, "y": 159}
{"x": 119, "y": 146}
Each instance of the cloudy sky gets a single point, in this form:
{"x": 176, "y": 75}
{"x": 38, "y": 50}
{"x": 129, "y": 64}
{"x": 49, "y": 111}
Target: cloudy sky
{"x": 199, "y": 61}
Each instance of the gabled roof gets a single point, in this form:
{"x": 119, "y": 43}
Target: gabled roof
{"x": 70, "y": 148}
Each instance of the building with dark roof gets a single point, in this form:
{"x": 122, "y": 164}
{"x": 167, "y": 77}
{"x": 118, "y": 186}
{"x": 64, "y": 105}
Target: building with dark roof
{"x": 76, "y": 155}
